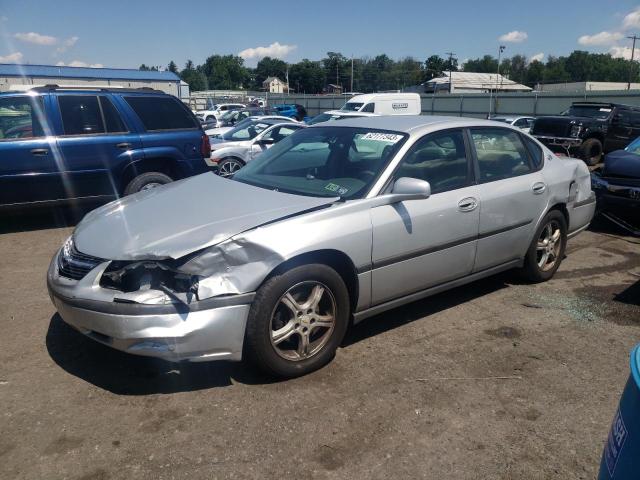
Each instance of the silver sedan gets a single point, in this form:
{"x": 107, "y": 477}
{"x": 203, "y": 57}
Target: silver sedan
{"x": 335, "y": 222}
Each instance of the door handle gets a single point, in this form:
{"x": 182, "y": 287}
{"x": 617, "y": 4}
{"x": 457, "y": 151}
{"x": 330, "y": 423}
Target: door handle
{"x": 467, "y": 204}
{"x": 123, "y": 145}
{"x": 40, "y": 152}
{"x": 538, "y": 188}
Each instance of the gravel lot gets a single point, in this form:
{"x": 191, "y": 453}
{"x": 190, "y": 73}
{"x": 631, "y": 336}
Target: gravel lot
{"x": 413, "y": 393}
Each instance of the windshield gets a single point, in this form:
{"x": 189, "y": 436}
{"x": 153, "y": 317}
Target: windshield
{"x": 227, "y": 115}
{"x": 591, "y": 111}
{"x": 245, "y": 131}
{"x": 324, "y": 162}
{"x": 351, "y": 107}
{"x": 634, "y": 147}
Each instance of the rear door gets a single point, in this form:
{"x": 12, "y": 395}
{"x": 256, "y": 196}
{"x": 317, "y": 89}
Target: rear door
{"x": 29, "y": 165}
{"x": 421, "y": 243}
{"x": 512, "y": 193}
{"x": 96, "y": 142}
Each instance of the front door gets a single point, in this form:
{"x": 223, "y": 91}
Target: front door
{"x": 29, "y": 163}
{"x": 421, "y": 243}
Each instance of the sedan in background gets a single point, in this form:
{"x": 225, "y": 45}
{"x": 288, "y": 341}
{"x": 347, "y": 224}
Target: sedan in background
{"x": 334, "y": 224}
{"x": 217, "y": 132}
{"x": 239, "y": 146}
{"x": 523, "y": 123}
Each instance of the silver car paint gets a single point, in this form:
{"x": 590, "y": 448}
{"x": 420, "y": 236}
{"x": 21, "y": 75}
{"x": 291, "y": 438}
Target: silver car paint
{"x": 234, "y": 255}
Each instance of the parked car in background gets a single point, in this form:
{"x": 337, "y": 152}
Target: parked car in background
{"x": 589, "y": 129}
{"x": 218, "y": 110}
{"x": 334, "y": 224}
{"x": 239, "y": 146}
{"x": 385, "y": 104}
{"x": 523, "y": 123}
{"x": 65, "y": 144}
{"x": 218, "y": 131}
{"x": 232, "y": 117}
{"x": 332, "y": 115}
{"x": 295, "y": 111}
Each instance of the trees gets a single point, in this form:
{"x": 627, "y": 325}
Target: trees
{"x": 197, "y": 80}
{"x": 172, "y": 67}
{"x": 225, "y": 72}
{"x": 306, "y": 76}
{"x": 147, "y": 68}
{"x": 269, "y": 67}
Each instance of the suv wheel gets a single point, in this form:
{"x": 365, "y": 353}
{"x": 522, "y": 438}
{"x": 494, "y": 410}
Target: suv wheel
{"x": 297, "y": 320}
{"x": 147, "y": 181}
{"x": 229, "y": 166}
{"x": 547, "y": 248}
{"x": 591, "y": 151}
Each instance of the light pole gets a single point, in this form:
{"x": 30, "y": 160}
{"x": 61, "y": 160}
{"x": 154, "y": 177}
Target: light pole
{"x": 500, "y": 50}
{"x": 451, "y": 55}
{"x": 633, "y": 48}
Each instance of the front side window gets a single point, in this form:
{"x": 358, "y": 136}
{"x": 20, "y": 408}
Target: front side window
{"x": 440, "y": 159}
{"x": 81, "y": 114}
{"x": 246, "y": 131}
{"x": 369, "y": 108}
{"x": 324, "y": 162}
{"x": 162, "y": 113}
{"x": 278, "y": 133}
{"x": 21, "y": 118}
{"x": 501, "y": 154}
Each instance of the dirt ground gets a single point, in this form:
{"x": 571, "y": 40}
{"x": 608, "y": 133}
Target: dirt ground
{"x": 413, "y": 393}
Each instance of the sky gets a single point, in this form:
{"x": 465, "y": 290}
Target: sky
{"x": 125, "y": 34}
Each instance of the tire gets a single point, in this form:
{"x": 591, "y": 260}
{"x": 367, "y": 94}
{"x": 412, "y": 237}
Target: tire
{"x": 209, "y": 118}
{"x": 228, "y": 166}
{"x": 535, "y": 271}
{"x": 591, "y": 151}
{"x": 145, "y": 181}
{"x": 271, "y": 312}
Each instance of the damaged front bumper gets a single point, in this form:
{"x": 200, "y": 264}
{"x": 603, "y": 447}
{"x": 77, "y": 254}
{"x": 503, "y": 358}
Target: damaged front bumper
{"x": 208, "y": 329}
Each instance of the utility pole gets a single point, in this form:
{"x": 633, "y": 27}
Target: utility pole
{"x": 288, "y": 91}
{"x": 633, "y": 48}
{"x": 352, "y": 73}
{"x": 500, "y": 50}
{"x": 337, "y": 74}
{"x": 451, "y": 55}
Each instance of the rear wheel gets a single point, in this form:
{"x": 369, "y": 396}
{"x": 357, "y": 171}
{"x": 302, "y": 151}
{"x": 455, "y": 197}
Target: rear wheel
{"x": 147, "y": 181}
{"x": 297, "y": 321}
{"x": 229, "y": 166}
{"x": 591, "y": 151}
{"x": 547, "y": 248}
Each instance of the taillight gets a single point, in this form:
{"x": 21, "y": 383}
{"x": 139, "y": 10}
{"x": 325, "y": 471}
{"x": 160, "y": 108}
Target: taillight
{"x": 205, "y": 146}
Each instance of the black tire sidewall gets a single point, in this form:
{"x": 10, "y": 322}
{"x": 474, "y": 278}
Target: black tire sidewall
{"x": 258, "y": 348}
{"x": 531, "y": 270}
{"x": 143, "y": 179}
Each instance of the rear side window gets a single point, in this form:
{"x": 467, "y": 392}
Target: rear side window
{"x": 21, "y": 118}
{"x": 80, "y": 114}
{"x": 501, "y": 154}
{"x": 369, "y": 108}
{"x": 112, "y": 119}
{"x": 161, "y": 113}
{"x": 536, "y": 152}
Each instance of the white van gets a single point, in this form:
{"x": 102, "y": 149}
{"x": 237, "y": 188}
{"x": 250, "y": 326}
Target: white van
{"x": 385, "y": 104}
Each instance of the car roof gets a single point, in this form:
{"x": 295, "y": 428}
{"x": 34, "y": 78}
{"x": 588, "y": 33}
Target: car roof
{"x": 408, "y": 123}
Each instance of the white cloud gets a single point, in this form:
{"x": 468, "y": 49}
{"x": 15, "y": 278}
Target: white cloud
{"x": 15, "y": 57}
{"x": 515, "y": 37}
{"x": 66, "y": 44}
{"x": 36, "y": 38}
{"x": 602, "y": 38}
{"x": 622, "y": 52}
{"x": 538, "y": 57}
{"x": 275, "y": 50}
{"x": 79, "y": 63}
{"x": 632, "y": 20}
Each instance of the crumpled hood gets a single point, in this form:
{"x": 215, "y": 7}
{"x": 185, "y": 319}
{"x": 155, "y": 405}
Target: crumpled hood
{"x": 621, "y": 164}
{"x": 184, "y": 216}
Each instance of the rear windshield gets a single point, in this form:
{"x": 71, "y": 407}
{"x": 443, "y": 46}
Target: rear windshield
{"x": 162, "y": 113}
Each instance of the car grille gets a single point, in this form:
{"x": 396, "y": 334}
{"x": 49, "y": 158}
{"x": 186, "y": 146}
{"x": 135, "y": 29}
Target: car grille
{"x": 551, "y": 127}
{"x": 73, "y": 264}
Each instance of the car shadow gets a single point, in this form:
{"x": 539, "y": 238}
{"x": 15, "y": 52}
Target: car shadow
{"x": 43, "y": 218}
{"x": 125, "y": 374}
{"x": 423, "y": 308}
{"x": 630, "y": 295}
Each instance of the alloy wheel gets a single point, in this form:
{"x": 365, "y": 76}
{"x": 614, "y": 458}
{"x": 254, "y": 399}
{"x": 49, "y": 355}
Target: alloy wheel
{"x": 303, "y": 320}
{"x": 229, "y": 167}
{"x": 548, "y": 247}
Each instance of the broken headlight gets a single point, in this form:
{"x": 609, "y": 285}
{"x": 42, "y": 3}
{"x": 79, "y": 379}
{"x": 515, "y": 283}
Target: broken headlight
{"x": 575, "y": 130}
{"x": 139, "y": 276}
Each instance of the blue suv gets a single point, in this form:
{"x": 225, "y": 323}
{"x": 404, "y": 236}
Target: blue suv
{"x": 70, "y": 144}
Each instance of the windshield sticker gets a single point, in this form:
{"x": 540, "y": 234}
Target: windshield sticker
{"x": 332, "y": 187}
{"x": 382, "y": 137}
{"x": 605, "y": 109}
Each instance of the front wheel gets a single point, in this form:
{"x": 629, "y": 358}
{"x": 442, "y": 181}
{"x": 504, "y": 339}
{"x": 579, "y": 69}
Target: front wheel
{"x": 297, "y": 321}
{"x": 147, "y": 181}
{"x": 547, "y": 248}
{"x": 229, "y": 166}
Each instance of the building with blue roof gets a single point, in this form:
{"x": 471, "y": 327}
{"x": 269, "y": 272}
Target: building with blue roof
{"x": 22, "y": 77}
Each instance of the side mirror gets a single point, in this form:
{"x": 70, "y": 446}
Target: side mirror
{"x": 406, "y": 188}
{"x": 265, "y": 141}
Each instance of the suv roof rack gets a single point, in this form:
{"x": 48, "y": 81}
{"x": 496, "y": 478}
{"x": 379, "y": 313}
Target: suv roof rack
{"x": 53, "y": 87}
